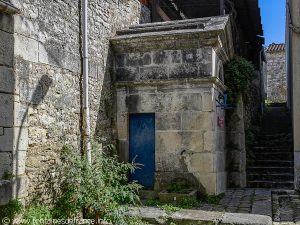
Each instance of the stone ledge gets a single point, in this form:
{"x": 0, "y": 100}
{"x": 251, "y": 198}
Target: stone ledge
{"x": 188, "y": 217}
{"x": 211, "y": 80}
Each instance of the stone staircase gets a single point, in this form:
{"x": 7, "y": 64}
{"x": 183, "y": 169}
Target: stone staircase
{"x": 273, "y": 164}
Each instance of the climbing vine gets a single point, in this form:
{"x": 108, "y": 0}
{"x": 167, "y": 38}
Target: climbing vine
{"x": 238, "y": 74}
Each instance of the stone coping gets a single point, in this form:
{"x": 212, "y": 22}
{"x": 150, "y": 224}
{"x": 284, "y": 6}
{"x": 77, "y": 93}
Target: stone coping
{"x": 212, "y": 80}
{"x": 173, "y": 27}
{"x": 189, "y": 217}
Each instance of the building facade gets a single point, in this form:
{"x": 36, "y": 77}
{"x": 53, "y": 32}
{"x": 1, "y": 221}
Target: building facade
{"x": 276, "y": 76}
{"x": 293, "y": 62}
{"x": 169, "y": 74}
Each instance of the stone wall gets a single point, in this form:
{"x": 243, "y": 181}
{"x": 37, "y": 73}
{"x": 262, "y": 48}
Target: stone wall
{"x": 45, "y": 57}
{"x": 276, "y": 76}
{"x": 179, "y": 79}
{"x": 8, "y": 96}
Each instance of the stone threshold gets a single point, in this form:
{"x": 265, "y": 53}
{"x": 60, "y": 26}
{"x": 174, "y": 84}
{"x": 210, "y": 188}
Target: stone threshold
{"x": 157, "y": 216}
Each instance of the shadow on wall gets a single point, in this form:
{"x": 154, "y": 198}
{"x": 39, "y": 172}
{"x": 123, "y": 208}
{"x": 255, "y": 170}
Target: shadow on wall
{"x": 40, "y": 91}
{"x": 104, "y": 131}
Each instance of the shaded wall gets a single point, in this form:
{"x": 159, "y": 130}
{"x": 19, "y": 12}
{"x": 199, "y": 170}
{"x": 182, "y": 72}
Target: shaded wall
{"x": 47, "y": 65}
{"x": 276, "y": 77}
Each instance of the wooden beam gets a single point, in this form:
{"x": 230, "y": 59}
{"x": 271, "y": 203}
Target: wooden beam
{"x": 162, "y": 14}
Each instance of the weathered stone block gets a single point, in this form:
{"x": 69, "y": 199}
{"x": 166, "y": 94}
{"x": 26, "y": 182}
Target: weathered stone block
{"x": 122, "y": 125}
{"x": 20, "y": 114}
{"x": 220, "y": 161}
{"x": 176, "y": 56}
{"x": 153, "y": 73}
{"x": 192, "y": 141}
{"x": 19, "y": 161}
{"x": 5, "y": 163}
{"x": 161, "y": 57}
{"x": 6, "y": 22}
{"x": 192, "y": 55}
{"x": 13, "y": 139}
{"x": 180, "y": 71}
{"x": 20, "y": 138}
{"x": 54, "y": 54}
{"x": 27, "y": 27}
{"x": 6, "y": 141}
{"x": 127, "y": 73}
{"x": 7, "y": 80}
{"x": 168, "y": 142}
{"x": 6, "y": 110}
{"x": 168, "y": 121}
{"x": 200, "y": 162}
{"x": 208, "y": 181}
{"x": 168, "y": 162}
{"x": 207, "y": 101}
{"x": 26, "y": 48}
{"x": 221, "y": 182}
{"x": 20, "y": 187}
{"x": 196, "y": 121}
{"x": 6, "y": 48}
{"x": 5, "y": 192}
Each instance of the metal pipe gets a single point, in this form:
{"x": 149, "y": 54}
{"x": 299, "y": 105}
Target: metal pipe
{"x": 85, "y": 74}
{"x": 222, "y": 7}
{"x": 8, "y": 8}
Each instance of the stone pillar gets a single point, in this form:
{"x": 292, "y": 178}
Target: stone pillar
{"x": 236, "y": 149}
{"x": 294, "y": 6}
{"x": 13, "y": 131}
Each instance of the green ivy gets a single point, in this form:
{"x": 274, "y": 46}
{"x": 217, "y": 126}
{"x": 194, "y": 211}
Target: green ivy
{"x": 238, "y": 74}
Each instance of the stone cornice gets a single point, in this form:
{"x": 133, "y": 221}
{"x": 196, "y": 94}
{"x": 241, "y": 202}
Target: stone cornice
{"x": 210, "y": 81}
{"x": 186, "y": 34}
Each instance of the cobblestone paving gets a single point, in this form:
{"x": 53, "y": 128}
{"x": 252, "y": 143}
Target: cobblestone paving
{"x": 282, "y": 206}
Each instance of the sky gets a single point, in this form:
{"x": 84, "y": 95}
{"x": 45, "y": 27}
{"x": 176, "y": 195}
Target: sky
{"x": 273, "y": 20}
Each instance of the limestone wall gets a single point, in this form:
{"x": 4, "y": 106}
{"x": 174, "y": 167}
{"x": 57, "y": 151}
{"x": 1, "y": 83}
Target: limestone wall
{"x": 189, "y": 142}
{"x": 8, "y": 96}
{"x": 44, "y": 53}
{"x": 276, "y": 77}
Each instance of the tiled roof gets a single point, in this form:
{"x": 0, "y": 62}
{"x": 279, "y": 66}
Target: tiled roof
{"x": 275, "y": 48}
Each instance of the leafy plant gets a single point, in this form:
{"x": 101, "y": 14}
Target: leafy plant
{"x": 188, "y": 203}
{"x": 101, "y": 189}
{"x": 36, "y": 214}
{"x": 213, "y": 199}
{"x": 169, "y": 208}
{"x": 10, "y": 210}
{"x": 238, "y": 76}
{"x": 7, "y": 176}
{"x": 180, "y": 185}
{"x": 152, "y": 202}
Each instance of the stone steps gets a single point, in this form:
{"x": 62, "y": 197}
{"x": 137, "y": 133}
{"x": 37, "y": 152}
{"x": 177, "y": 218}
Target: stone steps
{"x": 271, "y": 184}
{"x": 274, "y": 155}
{"x": 269, "y": 170}
{"x": 274, "y": 163}
{"x": 273, "y": 158}
{"x": 278, "y": 177}
{"x": 266, "y": 149}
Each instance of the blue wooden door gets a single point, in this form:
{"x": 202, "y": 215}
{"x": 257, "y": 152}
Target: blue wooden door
{"x": 142, "y": 147}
